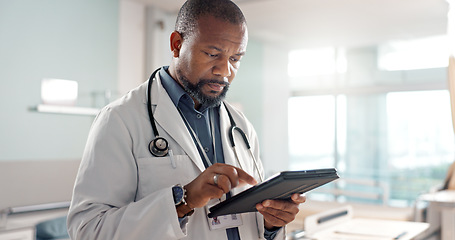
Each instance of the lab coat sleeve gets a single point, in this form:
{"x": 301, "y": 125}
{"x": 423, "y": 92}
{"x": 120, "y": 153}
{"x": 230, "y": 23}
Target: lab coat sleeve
{"x": 103, "y": 204}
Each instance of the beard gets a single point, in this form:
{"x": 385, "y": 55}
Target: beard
{"x": 195, "y": 91}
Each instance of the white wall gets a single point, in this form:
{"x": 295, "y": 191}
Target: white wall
{"x": 275, "y": 109}
{"x": 131, "y": 48}
{"x": 159, "y": 26}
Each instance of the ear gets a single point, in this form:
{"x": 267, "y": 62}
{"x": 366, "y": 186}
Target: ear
{"x": 176, "y": 43}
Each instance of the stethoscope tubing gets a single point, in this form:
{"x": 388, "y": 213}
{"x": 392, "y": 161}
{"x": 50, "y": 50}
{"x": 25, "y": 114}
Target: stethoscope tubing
{"x": 149, "y": 103}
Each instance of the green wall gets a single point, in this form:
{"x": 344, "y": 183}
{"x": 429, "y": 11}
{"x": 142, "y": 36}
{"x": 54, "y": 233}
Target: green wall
{"x": 67, "y": 39}
{"x": 247, "y": 87}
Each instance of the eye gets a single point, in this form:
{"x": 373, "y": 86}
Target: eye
{"x": 234, "y": 59}
{"x": 211, "y": 55}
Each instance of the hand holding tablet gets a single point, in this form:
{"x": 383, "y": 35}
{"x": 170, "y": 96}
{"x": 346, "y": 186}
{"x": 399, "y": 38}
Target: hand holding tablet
{"x": 280, "y": 186}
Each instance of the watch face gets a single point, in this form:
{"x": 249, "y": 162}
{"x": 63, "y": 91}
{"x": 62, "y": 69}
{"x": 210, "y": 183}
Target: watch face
{"x": 178, "y": 193}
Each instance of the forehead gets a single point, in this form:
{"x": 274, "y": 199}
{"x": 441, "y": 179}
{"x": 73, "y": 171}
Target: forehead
{"x": 218, "y": 32}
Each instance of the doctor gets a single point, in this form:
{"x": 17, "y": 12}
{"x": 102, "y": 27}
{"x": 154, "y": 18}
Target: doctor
{"x": 130, "y": 187}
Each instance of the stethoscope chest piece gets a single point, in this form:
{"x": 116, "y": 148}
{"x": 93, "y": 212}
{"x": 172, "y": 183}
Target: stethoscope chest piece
{"x": 159, "y": 147}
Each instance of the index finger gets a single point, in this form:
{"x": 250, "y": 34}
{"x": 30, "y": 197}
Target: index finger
{"x": 236, "y": 175}
{"x": 244, "y": 177}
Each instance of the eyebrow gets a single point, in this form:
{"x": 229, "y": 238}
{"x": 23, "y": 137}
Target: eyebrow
{"x": 221, "y": 50}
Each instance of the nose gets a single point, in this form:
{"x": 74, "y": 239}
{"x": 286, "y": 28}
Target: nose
{"x": 222, "y": 68}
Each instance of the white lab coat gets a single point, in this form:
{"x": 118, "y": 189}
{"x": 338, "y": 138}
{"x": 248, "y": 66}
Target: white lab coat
{"x": 123, "y": 192}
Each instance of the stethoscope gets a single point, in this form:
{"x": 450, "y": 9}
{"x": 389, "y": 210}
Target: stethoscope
{"x": 159, "y": 146}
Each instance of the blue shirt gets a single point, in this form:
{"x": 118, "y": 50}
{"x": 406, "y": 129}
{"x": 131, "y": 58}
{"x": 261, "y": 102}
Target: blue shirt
{"x": 199, "y": 120}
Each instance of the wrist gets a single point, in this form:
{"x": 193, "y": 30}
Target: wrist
{"x": 184, "y": 210}
{"x": 270, "y": 227}
{"x": 179, "y": 194}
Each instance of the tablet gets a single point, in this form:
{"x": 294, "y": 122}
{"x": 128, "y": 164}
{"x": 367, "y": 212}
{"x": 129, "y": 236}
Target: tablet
{"x": 280, "y": 186}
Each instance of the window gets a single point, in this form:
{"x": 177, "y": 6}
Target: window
{"x": 312, "y": 137}
{"x": 420, "y": 142}
{"x": 401, "y": 141}
{"x": 398, "y": 139}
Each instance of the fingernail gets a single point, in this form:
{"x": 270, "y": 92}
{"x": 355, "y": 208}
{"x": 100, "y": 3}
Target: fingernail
{"x": 266, "y": 203}
{"x": 259, "y": 207}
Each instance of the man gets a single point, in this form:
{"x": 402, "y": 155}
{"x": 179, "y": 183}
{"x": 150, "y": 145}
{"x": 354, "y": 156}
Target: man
{"x": 130, "y": 188}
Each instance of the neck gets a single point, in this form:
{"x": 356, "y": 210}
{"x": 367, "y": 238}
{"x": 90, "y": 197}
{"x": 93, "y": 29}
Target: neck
{"x": 197, "y": 105}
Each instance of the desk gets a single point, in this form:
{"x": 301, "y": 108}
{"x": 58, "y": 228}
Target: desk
{"x": 339, "y": 224}
{"x": 371, "y": 229}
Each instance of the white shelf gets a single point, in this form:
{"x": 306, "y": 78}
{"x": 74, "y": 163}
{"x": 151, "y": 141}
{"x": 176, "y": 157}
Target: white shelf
{"x": 66, "y": 110}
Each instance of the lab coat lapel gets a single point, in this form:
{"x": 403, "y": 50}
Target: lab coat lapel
{"x": 168, "y": 118}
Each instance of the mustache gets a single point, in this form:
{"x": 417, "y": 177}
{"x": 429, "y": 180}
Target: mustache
{"x": 221, "y": 82}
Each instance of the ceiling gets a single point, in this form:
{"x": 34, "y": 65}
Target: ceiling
{"x": 321, "y": 23}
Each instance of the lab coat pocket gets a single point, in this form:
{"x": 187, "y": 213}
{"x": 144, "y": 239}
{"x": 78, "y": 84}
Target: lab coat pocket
{"x": 155, "y": 173}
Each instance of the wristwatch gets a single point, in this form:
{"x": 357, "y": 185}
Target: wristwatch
{"x": 179, "y": 193}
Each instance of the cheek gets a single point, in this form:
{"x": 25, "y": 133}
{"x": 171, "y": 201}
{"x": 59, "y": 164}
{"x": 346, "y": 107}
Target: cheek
{"x": 182, "y": 63}
{"x": 233, "y": 74}
{"x": 195, "y": 64}
{"x": 187, "y": 66}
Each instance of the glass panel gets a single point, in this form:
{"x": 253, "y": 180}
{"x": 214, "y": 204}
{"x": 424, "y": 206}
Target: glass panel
{"x": 311, "y": 132}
